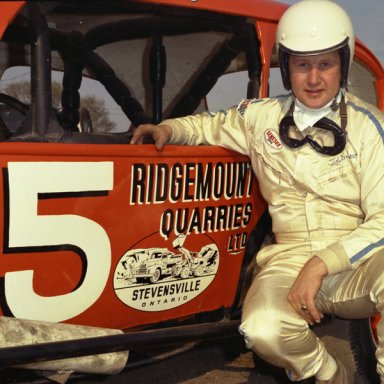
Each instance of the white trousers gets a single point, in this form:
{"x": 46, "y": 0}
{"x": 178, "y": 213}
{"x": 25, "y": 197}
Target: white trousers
{"x": 274, "y": 330}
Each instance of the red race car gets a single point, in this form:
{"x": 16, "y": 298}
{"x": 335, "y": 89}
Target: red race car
{"x": 106, "y": 246}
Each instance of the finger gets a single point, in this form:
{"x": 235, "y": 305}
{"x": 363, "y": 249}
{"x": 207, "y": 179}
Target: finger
{"x": 160, "y": 141}
{"x": 313, "y": 312}
{"x": 136, "y": 137}
{"x": 139, "y": 133}
{"x": 305, "y": 314}
{"x": 316, "y": 315}
{"x": 299, "y": 303}
{"x": 137, "y": 140}
{"x": 308, "y": 318}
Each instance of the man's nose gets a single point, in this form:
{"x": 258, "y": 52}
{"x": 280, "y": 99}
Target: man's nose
{"x": 314, "y": 75}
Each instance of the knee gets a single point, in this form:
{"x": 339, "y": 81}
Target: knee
{"x": 261, "y": 334}
{"x": 375, "y": 277}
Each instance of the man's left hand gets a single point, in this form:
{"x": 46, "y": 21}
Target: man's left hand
{"x": 303, "y": 293}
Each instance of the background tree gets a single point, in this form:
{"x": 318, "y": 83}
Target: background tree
{"x": 96, "y": 107}
{"x": 98, "y": 113}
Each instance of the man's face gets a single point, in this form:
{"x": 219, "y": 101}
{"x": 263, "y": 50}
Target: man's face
{"x": 315, "y": 80}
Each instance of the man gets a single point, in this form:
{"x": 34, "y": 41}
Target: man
{"x": 322, "y": 176}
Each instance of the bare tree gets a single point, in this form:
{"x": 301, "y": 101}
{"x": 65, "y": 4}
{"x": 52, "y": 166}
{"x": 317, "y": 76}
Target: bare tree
{"x": 98, "y": 112}
{"x": 21, "y": 90}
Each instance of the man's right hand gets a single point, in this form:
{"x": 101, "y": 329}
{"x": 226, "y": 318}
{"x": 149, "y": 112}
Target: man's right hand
{"x": 161, "y": 134}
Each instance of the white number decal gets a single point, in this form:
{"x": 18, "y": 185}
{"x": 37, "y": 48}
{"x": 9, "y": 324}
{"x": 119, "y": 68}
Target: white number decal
{"x": 27, "y": 228}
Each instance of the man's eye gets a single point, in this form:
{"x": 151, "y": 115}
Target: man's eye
{"x": 303, "y": 66}
{"x": 325, "y": 65}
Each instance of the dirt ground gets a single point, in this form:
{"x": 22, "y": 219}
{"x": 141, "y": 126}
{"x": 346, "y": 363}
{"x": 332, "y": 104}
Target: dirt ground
{"x": 214, "y": 362}
{"x": 225, "y": 362}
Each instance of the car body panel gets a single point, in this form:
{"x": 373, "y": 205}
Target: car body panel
{"x": 126, "y": 215}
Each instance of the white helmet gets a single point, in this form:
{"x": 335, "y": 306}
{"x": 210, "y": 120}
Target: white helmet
{"x": 311, "y": 27}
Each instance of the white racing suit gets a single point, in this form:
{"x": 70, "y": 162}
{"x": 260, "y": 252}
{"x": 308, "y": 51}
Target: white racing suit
{"x": 329, "y": 206}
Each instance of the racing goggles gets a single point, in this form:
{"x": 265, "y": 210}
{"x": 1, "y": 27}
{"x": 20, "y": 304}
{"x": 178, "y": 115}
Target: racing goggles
{"x": 339, "y": 133}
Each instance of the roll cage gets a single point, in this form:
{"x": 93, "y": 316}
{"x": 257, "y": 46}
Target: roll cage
{"x": 78, "y": 53}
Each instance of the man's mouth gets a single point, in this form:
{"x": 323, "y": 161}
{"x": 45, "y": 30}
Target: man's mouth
{"x": 314, "y": 92}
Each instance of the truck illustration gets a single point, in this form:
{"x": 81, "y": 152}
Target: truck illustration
{"x": 200, "y": 263}
{"x": 159, "y": 263}
{"x": 149, "y": 265}
{"x": 162, "y": 262}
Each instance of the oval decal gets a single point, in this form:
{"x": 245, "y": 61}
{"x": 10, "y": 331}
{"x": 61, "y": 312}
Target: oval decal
{"x": 272, "y": 139}
{"x": 164, "y": 277}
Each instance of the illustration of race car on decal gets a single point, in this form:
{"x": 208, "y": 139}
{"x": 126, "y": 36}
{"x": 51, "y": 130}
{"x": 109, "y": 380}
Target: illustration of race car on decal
{"x": 109, "y": 247}
{"x": 179, "y": 277}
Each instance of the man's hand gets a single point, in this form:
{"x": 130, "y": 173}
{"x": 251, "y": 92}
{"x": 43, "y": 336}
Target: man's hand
{"x": 303, "y": 293}
{"x": 161, "y": 134}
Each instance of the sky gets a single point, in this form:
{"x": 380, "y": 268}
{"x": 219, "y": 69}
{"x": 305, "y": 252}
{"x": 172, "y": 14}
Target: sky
{"x": 367, "y": 19}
